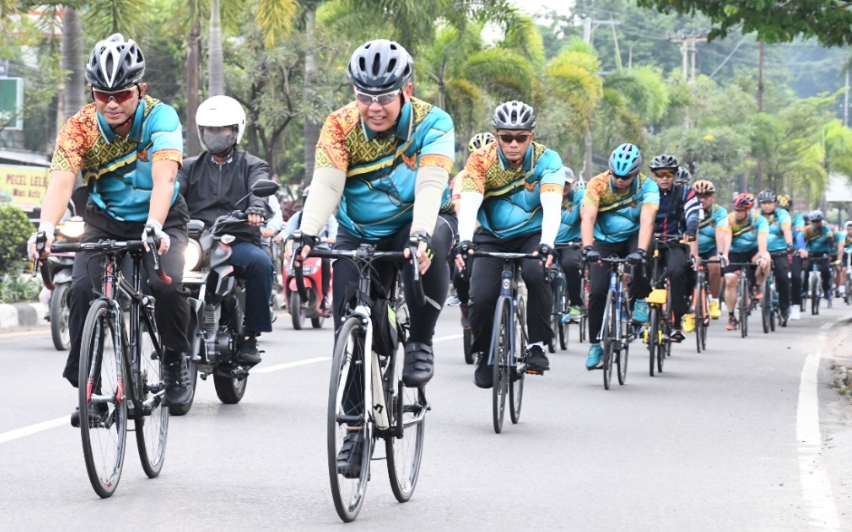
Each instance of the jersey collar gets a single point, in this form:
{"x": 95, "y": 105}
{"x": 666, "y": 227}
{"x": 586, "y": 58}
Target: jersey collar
{"x": 527, "y": 162}
{"x": 135, "y": 133}
{"x": 404, "y": 125}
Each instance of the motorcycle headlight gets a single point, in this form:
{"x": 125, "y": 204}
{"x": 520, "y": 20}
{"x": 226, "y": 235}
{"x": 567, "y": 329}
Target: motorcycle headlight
{"x": 192, "y": 255}
{"x": 73, "y": 228}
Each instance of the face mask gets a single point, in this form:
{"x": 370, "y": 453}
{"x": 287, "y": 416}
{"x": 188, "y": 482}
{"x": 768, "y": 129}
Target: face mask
{"x": 217, "y": 143}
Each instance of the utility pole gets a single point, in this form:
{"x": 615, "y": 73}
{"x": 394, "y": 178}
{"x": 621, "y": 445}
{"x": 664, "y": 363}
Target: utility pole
{"x": 687, "y": 47}
{"x": 589, "y": 26}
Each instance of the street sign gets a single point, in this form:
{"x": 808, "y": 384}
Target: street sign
{"x": 12, "y": 103}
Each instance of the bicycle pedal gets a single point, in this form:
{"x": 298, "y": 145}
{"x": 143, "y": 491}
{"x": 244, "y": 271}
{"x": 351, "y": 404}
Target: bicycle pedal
{"x": 530, "y": 371}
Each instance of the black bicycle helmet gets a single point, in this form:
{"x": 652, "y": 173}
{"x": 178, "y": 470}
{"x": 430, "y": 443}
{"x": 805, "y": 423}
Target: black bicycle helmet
{"x": 115, "y": 63}
{"x": 663, "y": 161}
{"x": 380, "y": 66}
{"x": 514, "y": 115}
{"x": 766, "y": 196}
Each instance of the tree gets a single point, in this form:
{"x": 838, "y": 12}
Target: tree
{"x": 827, "y": 20}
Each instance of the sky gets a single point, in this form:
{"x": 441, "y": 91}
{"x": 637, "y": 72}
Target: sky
{"x": 532, "y": 6}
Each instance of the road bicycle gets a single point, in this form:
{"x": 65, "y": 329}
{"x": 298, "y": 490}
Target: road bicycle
{"x": 744, "y": 301}
{"x": 560, "y": 316}
{"x": 815, "y": 292}
{"x": 121, "y": 368}
{"x": 366, "y": 397}
{"x": 660, "y": 312}
{"x": 617, "y": 331}
{"x": 769, "y": 305}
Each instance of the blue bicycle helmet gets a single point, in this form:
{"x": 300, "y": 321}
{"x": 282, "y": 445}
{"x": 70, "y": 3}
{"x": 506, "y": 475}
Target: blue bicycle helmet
{"x": 625, "y": 160}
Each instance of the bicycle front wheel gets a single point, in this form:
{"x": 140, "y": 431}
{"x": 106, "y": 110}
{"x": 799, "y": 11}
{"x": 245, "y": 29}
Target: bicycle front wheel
{"x": 347, "y": 422}
{"x": 743, "y": 307}
{"x": 653, "y": 333}
{"x": 152, "y": 424}
{"x": 815, "y": 295}
{"x": 500, "y": 356}
{"x": 516, "y": 378}
{"x": 609, "y": 340}
{"x": 103, "y": 405}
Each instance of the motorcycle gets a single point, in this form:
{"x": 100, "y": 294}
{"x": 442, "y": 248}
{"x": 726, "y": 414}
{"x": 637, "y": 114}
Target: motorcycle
{"x": 217, "y": 302}
{"x": 61, "y": 265}
{"x": 299, "y": 310}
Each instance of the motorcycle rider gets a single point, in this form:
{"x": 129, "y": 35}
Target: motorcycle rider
{"x": 212, "y": 184}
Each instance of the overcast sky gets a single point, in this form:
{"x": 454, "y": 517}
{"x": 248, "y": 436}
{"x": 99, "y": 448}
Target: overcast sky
{"x": 532, "y": 6}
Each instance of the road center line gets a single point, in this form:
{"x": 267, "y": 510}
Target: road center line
{"x": 288, "y": 365}
{"x": 34, "y": 429}
{"x": 816, "y": 487}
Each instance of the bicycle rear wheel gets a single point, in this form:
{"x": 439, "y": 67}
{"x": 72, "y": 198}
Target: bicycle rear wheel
{"x": 624, "y": 352}
{"x": 408, "y": 409}
{"x": 516, "y": 378}
{"x": 765, "y": 309}
{"x": 152, "y": 428}
{"x": 653, "y": 337}
{"x": 347, "y": 418}
{"x": 500, "y": 357}
{"x": 562, "y": 323}
{"x": 101, "y": 394}
{"x": 701, "y": 313}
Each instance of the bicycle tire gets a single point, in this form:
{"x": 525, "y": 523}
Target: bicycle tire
{"x": 563, "y": 324}
{"x": 774, "y": 307}
{"x": 664, "y": 348}
{"x": 814, "y": 293}
{"x": 653, "y": 333}
{"x": 516, "y": 383}
{"x": 609, "y": 343}
{"x": 500, "y": 359}
{"x": 344, "y": 385}
{"x": 152, "y": 430}
{"x": 554, "y": 323}
{"x": 60, "y": 311}
{"x": 404, "y": 455}
{"x": 105, "y": 442}
{"x": 466, "y": 342}
{"x": 743, "y": 306}
{"x": 765, "y": 308}
{"x": 623, "y": 353}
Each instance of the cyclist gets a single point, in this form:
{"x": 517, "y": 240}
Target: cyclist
{"x": 212, "y": 183}
{"x": 326, "y": 238}
{"x": 749, "y": 236}
{"x": 779, "y": 245}
{"x": 618, "y": 217}
{"x": 514, "y": 188}
{"x": 570, "y": 259}
{"x": 714, "y": 239}
{"x": 128, "y": 147}
{"x": 377, "y": 154}
{"x": 677, "y": 215}
{"x": 844, "y": 239}
{"x": 798, "y": 228}
{"x": 819, "y": 240}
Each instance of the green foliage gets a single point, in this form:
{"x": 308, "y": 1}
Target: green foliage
{"x": 15, "y": 287}
{"x": 15, "y": 229}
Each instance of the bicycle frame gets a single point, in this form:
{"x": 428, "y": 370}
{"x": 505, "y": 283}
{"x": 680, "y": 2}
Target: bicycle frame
{"x": 616, "y": 285}
{"x": 508, "y": 290}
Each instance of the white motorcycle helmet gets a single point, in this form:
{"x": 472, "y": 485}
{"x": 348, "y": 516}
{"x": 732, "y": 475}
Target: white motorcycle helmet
{"x": 220, "y": 111}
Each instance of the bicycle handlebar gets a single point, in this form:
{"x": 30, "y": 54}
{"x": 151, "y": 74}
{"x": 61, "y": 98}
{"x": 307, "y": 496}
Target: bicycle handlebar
{"x": 103, "y": 245}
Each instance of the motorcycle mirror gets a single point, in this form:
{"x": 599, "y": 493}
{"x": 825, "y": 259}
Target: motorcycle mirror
{"x": 264, "y": 188}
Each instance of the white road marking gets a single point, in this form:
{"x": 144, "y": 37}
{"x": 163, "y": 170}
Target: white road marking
{"x": 447, "y": 338}
{"x": 34, "y": 429}
{"x": 288, "y": 365}
{"x": 816, "y": 487}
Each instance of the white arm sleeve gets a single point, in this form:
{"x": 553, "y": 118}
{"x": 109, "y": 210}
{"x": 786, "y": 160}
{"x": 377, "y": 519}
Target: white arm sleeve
{"x": 326, "y": 191}
{"x": 428, "y": 193}
{"x": 470, "y": 203}
{"x": 551, "y": 210}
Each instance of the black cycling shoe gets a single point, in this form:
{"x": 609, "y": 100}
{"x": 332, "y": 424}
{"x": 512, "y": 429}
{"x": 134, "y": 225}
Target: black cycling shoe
{"x": 97, "y": 413}
{"x": 325, "y": 305}
{"x": 419, "y": 364}
{"x": 483, "y": 375}
{"x": 537, "y": 360}
{"x": 349, "y": 457}
{"x": 248, "y": 352}
{"x": 177, "y": 380}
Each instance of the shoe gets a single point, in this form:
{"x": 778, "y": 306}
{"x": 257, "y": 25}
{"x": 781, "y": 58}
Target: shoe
{"x": 349, "y": 457}
{"x": 453, "y": 300}
{"x": 177, "y": 381}
{"x": 593, "y": 361}
{"x": 677, "y": 335}
{"x": 795, "y": 313}
{"x": 537, "y": 360}
{"x": 732, "y": 322}
{"x": 465, "y": 316}
{"x": 325, "y": 305}
{"x": 640, "y": 311}
{"x": 248, "y": 353}
{"x": 97, "y": 412}
{"x": 688, "y": 322}
{"x": 715, "y": 310}
{"x": 574, "y": 314}
{"x": 419, "y": 364}
{"x": 756, "y": 293}
{"x": 483, "y": 375}
{"x": 783, "y": 317}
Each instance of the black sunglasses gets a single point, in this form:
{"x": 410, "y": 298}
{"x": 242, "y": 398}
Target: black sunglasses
{"x": 521, "y": 138}
{"x": 624, "y": 177}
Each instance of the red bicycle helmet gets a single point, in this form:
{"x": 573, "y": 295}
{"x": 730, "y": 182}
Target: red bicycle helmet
{"x": 744, "y": 201}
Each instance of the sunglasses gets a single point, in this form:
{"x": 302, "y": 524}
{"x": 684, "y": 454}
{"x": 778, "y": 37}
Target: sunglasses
{"x": 120, "y": 96}
{"x": 383, "y": 99}
{"x": 706, "y": 195}
{"x": 520, "y": 138}
{"x": 665, "y": 174}
{"x": 623, "y": 177}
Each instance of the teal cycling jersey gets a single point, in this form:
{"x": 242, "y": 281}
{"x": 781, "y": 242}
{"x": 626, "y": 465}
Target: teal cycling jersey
{"x": 744, "y": 234}
{"x": 709, "y": 224}
{"x": 619, "y": 211}
{"x": 381, "y": 169}
{"x": 117, "y": 170}
{"x": 511, "y": 203}
{"x": 819, "y": 241}
{"x": 778, "y": 221}
{"x": 569, "y": 229}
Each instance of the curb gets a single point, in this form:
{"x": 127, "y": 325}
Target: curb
{"x": 23, "y": 315}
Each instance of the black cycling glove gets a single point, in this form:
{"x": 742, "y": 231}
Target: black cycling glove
{"x": 422, "y": 236}
{"x": 636, "y": 257}
{"x": 591, "y": 255}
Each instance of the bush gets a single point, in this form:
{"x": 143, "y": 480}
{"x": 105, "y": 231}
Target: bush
{"x": 15, "y": 230}
{"x": 15, "y": 287}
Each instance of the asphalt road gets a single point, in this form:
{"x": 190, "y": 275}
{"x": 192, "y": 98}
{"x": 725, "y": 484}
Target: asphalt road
{"x": 725, "y": 440}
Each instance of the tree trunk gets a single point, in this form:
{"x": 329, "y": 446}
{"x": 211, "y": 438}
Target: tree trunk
{"x": 216, "y": 84}
{"x": 74, "y": 63}
{"x": 310, "y": 129}
{"x": 193, "y": 144}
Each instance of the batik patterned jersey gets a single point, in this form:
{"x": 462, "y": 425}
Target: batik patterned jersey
{"x": 569, "y": 229}
{"x": 619, "y": 211}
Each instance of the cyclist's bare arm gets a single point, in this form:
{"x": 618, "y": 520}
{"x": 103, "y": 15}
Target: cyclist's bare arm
{"x": 646, "y": 226}
{"x": 589, "y": 215}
